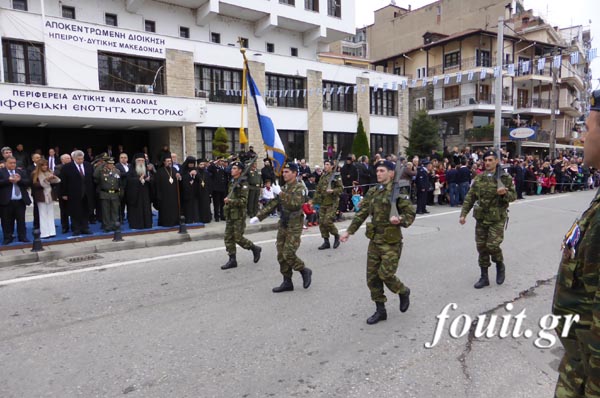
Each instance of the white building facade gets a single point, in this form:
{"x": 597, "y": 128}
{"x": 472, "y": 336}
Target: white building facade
{"x": 153, "y": 73}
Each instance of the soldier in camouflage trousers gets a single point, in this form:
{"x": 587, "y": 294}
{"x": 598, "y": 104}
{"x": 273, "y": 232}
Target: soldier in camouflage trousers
{"x": 327, "y": 197}
{"x": 254, "y": 179}
{"x": 577, "y": 289}
{"x": 110, "y": 191}
{"x": 235, "y": 216}
{"x": 385, "y": 246}
{"x": 291, "y": 198}
{"x": 489, "y": 200}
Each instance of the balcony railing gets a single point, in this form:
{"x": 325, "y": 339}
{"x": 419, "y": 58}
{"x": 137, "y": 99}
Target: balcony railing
{"x": 467, "y": 100}
{"x": 464, "y": 64}
{"x": 534, "y": 103}
{"x": 533, "y": 70}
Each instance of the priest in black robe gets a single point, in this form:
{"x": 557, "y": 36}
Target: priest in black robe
{"x": 189, "y": 190}
{"x": 166, "y": 193}
{"x": 204, "y": 188}
{"x": 138, "y": 193}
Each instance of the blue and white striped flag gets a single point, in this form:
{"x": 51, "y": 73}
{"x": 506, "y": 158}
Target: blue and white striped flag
{"x": 525, "y": 66}
{"x": 435, "y": 80}
{"x": 270, "y": 136}
{"x": 482, "y": 74}
{"x": 591, "y": 54}
{"x": 556, "y": 61}
{"x": 459, "y": 77}
{"x": 511, "y": 69}
{"x": 424, "y": 83}
{"x": 446, "y": 79}
{"x": 575, "y": 58}
{"x": 470, "y": 75}
{"x": 404, "y": 84}
{"x": 540, "y": 64}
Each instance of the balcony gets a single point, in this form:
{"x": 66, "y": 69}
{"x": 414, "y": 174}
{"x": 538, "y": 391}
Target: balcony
{"x": 569, "y": 104}
{"x": 465, "y": 64}
{"x": 544, "y": 75}
{"x": 485, "y": 133}
{"x": 534, "y": 106}
{"x": 467, "y": 103}
{"x": 572, "y": 78}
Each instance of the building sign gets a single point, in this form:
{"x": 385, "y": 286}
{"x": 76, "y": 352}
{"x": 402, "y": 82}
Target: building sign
{"x": 521, "y": 133}
{"x": 45, "y": 101}
{"x": 106, "y": 38}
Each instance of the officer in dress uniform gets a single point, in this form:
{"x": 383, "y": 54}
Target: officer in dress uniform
{"x": 489, "y": 197}
{"x": 327, "y": 197}
{"x": 109, "y": 184}
{"x": 385, "y": 246}
{"x": 577, "y": 291}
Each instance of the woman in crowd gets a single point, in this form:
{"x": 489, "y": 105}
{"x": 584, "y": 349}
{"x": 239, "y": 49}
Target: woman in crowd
{"x": 42, "y": 180}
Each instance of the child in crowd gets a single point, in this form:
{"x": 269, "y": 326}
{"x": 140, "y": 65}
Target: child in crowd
{"x": 437, "y": 190}
{"x": 267, "y": 195}
{"x": 357, "y": 195}
{"x": 310, "y": 213}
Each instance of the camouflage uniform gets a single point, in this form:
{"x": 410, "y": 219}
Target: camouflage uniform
{"x": 235, "y": 214}
{"x": 578, "y": 292}
{"x": 108, "y": 185}
{"x": 328, "y": 203}
{"x": 289, "y": 232}
{"x": 385, "y": 246}
{"x": 490, "y": 211}
{"x": 254, "y": 184}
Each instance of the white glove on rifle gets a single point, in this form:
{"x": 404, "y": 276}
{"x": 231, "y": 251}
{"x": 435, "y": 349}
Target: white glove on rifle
{"x": 254, "y": 220}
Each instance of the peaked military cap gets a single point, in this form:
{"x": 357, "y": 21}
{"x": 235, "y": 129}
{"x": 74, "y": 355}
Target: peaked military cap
{"x": 595, "y": 101}
{"x": 238, "y": 164}
{"x": 490, "y": 153}
{"x": 387, "y": 164}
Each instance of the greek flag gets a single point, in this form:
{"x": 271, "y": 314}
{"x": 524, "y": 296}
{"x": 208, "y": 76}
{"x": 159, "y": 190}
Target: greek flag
{"x": 270, "y": 136}
{"x": 592, "y": 54}
{"x": 574, "y": 58}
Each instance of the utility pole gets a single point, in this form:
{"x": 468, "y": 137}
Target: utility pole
{"x": 553, "y": 101}
{"x": 498, "y": 88}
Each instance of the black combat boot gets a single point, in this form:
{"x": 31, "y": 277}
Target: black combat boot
{"x": 325, "y": 245}
{"x": 286, "y": 286}
{"x": 336, "y": 241}
{"x": 379, "y": 315}
{"x": 404, "y": 300}
{"x": 483, "y": 280}
{"x": 306, "y": 277}
{"x": 500, "y": 273}
{"x": 232, "y": 263}
{"x": 256, "y": 252}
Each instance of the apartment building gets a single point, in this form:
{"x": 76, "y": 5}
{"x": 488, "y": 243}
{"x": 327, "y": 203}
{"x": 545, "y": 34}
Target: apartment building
{"x": 152, "y": 73}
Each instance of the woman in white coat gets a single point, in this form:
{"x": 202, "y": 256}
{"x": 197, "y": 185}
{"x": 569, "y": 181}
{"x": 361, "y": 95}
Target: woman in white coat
{"x": 42, "y": 180}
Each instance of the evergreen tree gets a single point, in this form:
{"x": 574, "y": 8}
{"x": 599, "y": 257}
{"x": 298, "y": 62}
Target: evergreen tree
{"x": 220, "y": 143}
{"x": 360, "y": 145}
{"x": 424, "y": 135}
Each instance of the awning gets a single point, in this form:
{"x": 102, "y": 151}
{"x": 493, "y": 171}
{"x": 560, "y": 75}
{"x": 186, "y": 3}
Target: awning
{"x": 534, "y": 144}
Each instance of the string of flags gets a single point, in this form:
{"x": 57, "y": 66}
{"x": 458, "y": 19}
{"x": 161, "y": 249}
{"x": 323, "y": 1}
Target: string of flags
{"x": 523, "y": 67}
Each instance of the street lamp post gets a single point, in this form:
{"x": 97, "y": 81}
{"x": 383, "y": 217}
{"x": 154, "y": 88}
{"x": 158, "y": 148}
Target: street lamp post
{"x": 443, "y": 127}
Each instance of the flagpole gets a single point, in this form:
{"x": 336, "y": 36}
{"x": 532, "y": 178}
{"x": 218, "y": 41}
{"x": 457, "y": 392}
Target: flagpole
{"x": 243, "y": 138}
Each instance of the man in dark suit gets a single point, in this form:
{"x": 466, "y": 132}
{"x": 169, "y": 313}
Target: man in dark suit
{"x": 62, "y": 204}
{"x": 77, "y": 188}
{"x": 423, "y": 185}
{"x": 365, "y": 174}
{"x": 13, "y": 200}
{"x": 123, "y": 166}
{"x": 53, "y": 159}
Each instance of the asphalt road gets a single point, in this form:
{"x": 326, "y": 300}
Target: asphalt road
{"x": 167, "y": 322}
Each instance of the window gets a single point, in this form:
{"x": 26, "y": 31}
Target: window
{"x": 222, "y": 84}
{"x": 204, "y": 141}
{"x": 68, "y": 12}
{"x": 354, "y": 52}
{"x": 243, "y": 42}
{"x": 288, "y": 2}
{"x": 483, "y": 58}
{"x": 149, "y": 26}
{"x": 334, "y": 8}
{"x": 421, "y": 72}
{"x": 184, "y": 32}
{"x": 311, "y": 5}
{"x": 421, "y": 103}
{"x": 293, "y": 142}
{"x": 383, "y": 102}
{"x": 451, "y": 92}
{"x": 483, "y": 96}
{"x": 398, "y": 70}
{"x": 215, "y": 38}
{"x": 285, "y": 91}
{"x": 19, "y": 5}
{"x": 339, "y": 142}
{"x": 338, "y": 97}
{"x": 118, "y": 72}
{"x": 270, "y": 47}
{"x": 385, "y": 142}
{"x": 23, "y": 62}
{"x": 110, "y": 19}
{"x": 294, "y": 52}
{"x": 451, "y": 59}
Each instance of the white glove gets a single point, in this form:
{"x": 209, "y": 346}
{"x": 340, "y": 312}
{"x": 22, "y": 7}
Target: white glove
{"x": 276, "y": 189}
{"x": 254, "y": 220}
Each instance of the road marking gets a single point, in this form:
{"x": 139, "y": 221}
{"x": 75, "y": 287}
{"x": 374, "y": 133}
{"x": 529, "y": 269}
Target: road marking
{"x": 214, "y": 249}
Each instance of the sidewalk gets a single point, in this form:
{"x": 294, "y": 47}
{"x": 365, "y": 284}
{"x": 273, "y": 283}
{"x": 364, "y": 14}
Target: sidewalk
{"x": 86, "y": 245}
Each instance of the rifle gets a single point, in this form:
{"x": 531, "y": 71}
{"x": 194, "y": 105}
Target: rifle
{"x": 500, "y": 184}
{"x": 397, "y": 186}
{"x": 244, "y": 173}
{"x": 334, "y": 171}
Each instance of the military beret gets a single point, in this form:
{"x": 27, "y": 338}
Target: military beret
{"x": 110, "y": 160}
{"x": 291, "y": 166}
{"x": 490, "y": 153}
{"x": 425, "y": 162}
{"x": 595, "y": 101}
{"x": 139, "y": 156}
{"x": 387, "y": 164}
{"x": 238, "y": 164}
